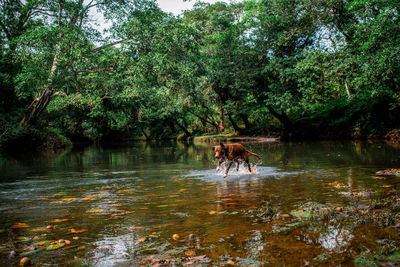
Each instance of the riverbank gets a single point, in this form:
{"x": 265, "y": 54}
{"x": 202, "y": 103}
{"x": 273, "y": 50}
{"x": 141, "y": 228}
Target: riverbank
{"x": 230, "y": 138}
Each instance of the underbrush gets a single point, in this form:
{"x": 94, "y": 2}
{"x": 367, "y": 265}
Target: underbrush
{"x": 360, "y": 117}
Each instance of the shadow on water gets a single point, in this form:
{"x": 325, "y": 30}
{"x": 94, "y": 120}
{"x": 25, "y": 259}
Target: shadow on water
{"x": 150, "y": 203}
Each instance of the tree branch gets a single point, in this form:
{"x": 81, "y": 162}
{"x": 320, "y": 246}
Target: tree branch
{"x": 107, "y": 45}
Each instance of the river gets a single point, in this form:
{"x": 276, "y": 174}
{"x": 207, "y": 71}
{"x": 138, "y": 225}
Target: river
{"x": 164, "y": 203}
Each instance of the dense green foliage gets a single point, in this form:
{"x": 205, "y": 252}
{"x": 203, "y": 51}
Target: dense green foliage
{"x": 301, "y": 69}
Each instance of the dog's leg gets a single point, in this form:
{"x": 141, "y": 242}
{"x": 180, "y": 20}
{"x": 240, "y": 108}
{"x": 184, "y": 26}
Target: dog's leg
{"x": 227, "y": 169}
{"x": 246, "y": 159}
{"x": 219, "y": 164}
{"x": 237, "y": 165}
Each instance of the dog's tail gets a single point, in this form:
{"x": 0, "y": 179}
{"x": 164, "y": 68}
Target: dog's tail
{"x": 254, "y": 154}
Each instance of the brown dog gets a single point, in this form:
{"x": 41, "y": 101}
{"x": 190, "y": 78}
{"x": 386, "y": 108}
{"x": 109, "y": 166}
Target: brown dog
{"x": 232, "y": 152}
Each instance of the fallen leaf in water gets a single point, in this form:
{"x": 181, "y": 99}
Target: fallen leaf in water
{"x": 212, "y": 212}
{"x": 124, "y": 191}
{"x": 141, "y": 240}
{"x": 74, "y": 231}
{"x": 38, "y": 229}
{"x": 50, "y": 227}
{"x": 75, "y": 238}
{"x": 175, "y": 237}
{"x": 229, "y": 262}
{"x": 161, "y": 206}
{"x": 41, "y": 243}
{"x": 19, "y": 225}
{"x": 56, "y": 202}
{"x": 95, "y": 210}
{"x": 88, "y": 198}
{"x": 182, "y": 190}
{"x": 59, "y": 220}
{"x": 136, "y": 227}
{"x": 55, "y": 246}
{"x": 363, "y": 211}
{"x": 189, "y": 263}
{"x": 190, "y": 253}
{"x": 68, "y": 199}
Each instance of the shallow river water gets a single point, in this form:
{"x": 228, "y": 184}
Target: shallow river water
{"x": 164, "y": 204}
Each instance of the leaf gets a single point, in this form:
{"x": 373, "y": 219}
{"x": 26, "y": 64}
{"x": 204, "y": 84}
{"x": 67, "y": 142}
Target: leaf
{"x": 59, "y": 220}
{"x": 38, "y": 229}
{"x": 136, "y": 227}
{"x": 19, "y": 225}
{"x": 124, "y": 191}
{"x": 161, "y": 206}
{"x": 74, "y": 231}
{"x": 175, "y": 236}
{"x": 55, "y": 246}
{"x": 42, "y": 242}
{"x": 229, "y": 262}
{"x": 96, "y": 210}
{"x": 212, "y": 212}
{"x": 190, "y": 253}
{"x": 182, "y": 190}
{"x": 88, "y": 198}
{"x": 141, "y": 240}
{"x": 68, "y": 199}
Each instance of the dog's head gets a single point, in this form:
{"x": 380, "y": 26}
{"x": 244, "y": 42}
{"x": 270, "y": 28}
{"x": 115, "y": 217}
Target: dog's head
{"x": 220, "y": 151}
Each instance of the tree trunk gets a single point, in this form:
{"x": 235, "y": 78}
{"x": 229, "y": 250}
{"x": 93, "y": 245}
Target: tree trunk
{"x": 245, "y": 119}
{"x": 43, "y": 98}
{"x": 187, "y": 133}
{"x": 284, "y": 119}
{"x": 222, "y": 122}
{"x": 143, "y": 131}
{"x": 234, "y": 125}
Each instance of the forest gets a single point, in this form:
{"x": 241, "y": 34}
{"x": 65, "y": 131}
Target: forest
{"x": 298, "y": 69}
